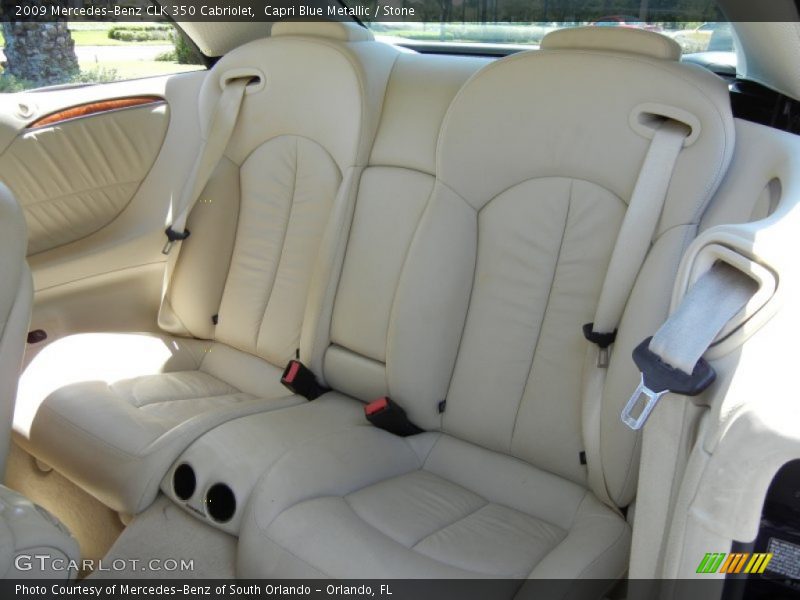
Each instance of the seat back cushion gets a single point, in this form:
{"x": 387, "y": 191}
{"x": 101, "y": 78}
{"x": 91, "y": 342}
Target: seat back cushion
{"x": 543, "y": 165}
{"x": 396, "y": 318}
{"x": 258, "y": 228}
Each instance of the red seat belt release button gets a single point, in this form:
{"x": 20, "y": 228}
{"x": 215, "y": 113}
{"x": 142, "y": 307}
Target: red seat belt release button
{"x": 376, "y": 406}
{"x": 291, "y": 372}
{"x": 299, "y": 379}
{"x": 390, "y": 416}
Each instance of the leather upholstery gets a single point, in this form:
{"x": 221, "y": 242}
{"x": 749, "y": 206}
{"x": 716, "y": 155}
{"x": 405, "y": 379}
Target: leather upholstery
{"x": 376, "y": 317}
{"x": 16, "y": 295}
{"x": 422, "y": 507}
{"x": 336, "y": 30}
{"x": 284, "y": 181}
{"x": 95, "y": 166}
{"x": 446, "y": 238}
{"x": 542, "y": 271}
{"x": 633, "y": 41}
{"x": 532, "y": 200}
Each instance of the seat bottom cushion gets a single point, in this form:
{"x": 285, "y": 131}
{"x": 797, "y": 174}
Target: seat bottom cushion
{"x": 116, "y": 437}
{"x": 373, "y": 505}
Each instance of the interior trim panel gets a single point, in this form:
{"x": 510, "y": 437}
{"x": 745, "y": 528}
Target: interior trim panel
{"x": 93, "y": 108}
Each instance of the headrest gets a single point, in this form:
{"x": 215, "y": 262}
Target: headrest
{"x": 616, "y": 39}
{"x": 564, "y": 126}
{"x": 336, "y": 30}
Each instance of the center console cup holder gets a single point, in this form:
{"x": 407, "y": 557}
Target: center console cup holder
{"x": 220, "y": 502}
{"x": 184, "y": 481}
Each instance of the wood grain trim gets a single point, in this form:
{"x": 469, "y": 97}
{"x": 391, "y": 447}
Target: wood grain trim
{"x": 93, "y": 108}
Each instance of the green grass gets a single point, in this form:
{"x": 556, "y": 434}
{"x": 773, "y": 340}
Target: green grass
{"x": 96, "y": 34}
{"x": 100, "y": 38}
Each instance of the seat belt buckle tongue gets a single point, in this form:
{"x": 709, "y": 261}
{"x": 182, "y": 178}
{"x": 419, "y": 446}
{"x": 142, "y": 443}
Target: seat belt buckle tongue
{"x": 300, "y": 380}
{"x": 390, "y": 416}
{"x": 659, "y": 378}
{"x": 172, "y": 237}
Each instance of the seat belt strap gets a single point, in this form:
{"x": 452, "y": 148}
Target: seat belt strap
{"x": 636, "y": 232}
{"x": 671, "y": 361}
{"x": 633, "y": 243}
{"x": 223, "y": 121}
{"x": 705, "y": 310}
{"x": 211, "y": 150}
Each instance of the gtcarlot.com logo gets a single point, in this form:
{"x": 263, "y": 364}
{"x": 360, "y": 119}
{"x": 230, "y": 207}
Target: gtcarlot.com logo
{"x": 45, "y": 562}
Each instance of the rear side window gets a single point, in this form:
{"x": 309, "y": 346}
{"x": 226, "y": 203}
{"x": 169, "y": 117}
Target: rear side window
{"x": 693, "y": 37}
{"x": 36, "y": 54}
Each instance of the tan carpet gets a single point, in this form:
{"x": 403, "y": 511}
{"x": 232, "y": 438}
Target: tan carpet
{"x": 164, "y": 533}
{"x": 93, "y": 524}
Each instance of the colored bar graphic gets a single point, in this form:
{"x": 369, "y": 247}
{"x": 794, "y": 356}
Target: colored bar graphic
{"x": 758, "y": 564}
{"x": 722, "y": 562}
{"x": 701, "y": 568}
{"x": 740, "y": 564}
{"x": 729, "y": 562}
{"x": 718, "y": 561}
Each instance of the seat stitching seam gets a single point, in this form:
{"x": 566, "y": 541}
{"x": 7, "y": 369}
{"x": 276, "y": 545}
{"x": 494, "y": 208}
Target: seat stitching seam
{"x": 370, "y": 525}
{"x": 428, "y": 454}
{"x": 578, "y": 509}
{"x": 193, "y": 398}
{"x": 268, "y": 295}
{"x": 602, "y": 554}
{"x": 450, "y": 524}
{"x": 76, "y": 427}
{"x": 234, "y": 247}
{"x": 548, "y": 177}
{"x": 469, "y": 300}
{"x": 410, "y": 245}
{"x": 99, "y": 188}
{"x": 234, "y": 230}
{"x": 487, "y": 503}
{"x": 304, "y": 561}
{"x": 544, "y": 315}
{"x": 721, "y": 164}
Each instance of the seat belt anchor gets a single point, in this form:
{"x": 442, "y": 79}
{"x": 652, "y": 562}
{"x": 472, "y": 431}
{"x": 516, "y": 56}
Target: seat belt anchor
{"x": 602, "y": 340}
{"x": 658, "y": 378}
{"x": 172, "y": 237}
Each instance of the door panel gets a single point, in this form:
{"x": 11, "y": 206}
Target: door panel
{"x": 76, "y": 176}
{"x": 97, "y": 187}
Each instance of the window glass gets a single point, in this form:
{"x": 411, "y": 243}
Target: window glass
{"x": 35, "y": 54}
{"x": 692, "y": 37}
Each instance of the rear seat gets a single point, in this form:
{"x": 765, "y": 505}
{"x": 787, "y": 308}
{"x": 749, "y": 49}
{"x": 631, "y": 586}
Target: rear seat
{"x": 382, "y": 313}
{"x": 467, "y": 274}
{"x": 268, "y": 224}
{"x": 534, "y": 170}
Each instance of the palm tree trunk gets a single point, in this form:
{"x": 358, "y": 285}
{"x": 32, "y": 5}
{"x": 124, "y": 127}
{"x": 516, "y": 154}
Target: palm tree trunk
{"x": 43, "y": 53}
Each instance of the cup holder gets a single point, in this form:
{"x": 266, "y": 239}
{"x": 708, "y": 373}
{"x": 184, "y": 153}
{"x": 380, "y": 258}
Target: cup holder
{"x": 184, "y": 481}
{"x": 220, "y": 502}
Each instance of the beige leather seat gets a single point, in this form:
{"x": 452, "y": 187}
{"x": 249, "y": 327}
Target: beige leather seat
{"x": 16, "y": 294}
{"x": 239, "y": 305}
{"x": 534, "y": 170}
{"x": 381, "y": 315}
